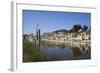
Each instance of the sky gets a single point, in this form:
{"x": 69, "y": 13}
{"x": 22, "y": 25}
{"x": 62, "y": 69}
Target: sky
{"x": 49, "y": 21}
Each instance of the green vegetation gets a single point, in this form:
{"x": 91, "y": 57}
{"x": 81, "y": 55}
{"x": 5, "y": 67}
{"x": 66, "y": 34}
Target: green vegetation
{"x": 30, "y": 52}
{"x": 85, "y": 28}
{"x": 76, "y": 27}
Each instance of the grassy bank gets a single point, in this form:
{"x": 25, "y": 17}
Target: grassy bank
{"x": 30, "y": 52}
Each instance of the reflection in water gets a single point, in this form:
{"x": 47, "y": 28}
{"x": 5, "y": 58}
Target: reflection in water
{"x": 63, "y": 51}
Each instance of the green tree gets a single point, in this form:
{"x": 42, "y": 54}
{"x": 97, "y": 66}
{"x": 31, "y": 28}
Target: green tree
{"x": 76, "y": 27}
{"x": 85, "y": 28}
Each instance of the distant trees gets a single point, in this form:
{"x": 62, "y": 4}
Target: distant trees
{"x": 78, "y": 27}
{"x": 85, "y": 28}
{"x": 75, "y": 28}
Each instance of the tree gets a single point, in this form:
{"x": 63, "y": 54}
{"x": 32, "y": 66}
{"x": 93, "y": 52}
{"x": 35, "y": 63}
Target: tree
{"x": 76, "y": 27}
{"x": 85, "y": 28}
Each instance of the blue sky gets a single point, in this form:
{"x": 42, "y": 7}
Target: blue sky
{"x": 49, "y": 21}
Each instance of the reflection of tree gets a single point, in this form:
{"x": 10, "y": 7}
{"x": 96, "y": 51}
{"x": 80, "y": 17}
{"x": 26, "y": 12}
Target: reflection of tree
{"x": 76, "y": 52}
{"x": 83, "y": 48}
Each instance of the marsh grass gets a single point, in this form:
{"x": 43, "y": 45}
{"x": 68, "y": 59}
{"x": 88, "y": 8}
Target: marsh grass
{"x": 30, "y": 52}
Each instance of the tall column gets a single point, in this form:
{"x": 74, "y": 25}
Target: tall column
{"x": 39, "y": 38}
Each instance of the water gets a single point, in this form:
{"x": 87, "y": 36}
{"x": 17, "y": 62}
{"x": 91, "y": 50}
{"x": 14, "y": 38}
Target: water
{"x": 63, "y": 51}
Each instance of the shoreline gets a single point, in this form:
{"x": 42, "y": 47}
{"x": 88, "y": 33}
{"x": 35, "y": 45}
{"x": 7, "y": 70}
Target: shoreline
{"x": 68, "y": 42}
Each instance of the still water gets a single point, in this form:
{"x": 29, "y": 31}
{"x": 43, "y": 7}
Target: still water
{"x": 61, "y": 51}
